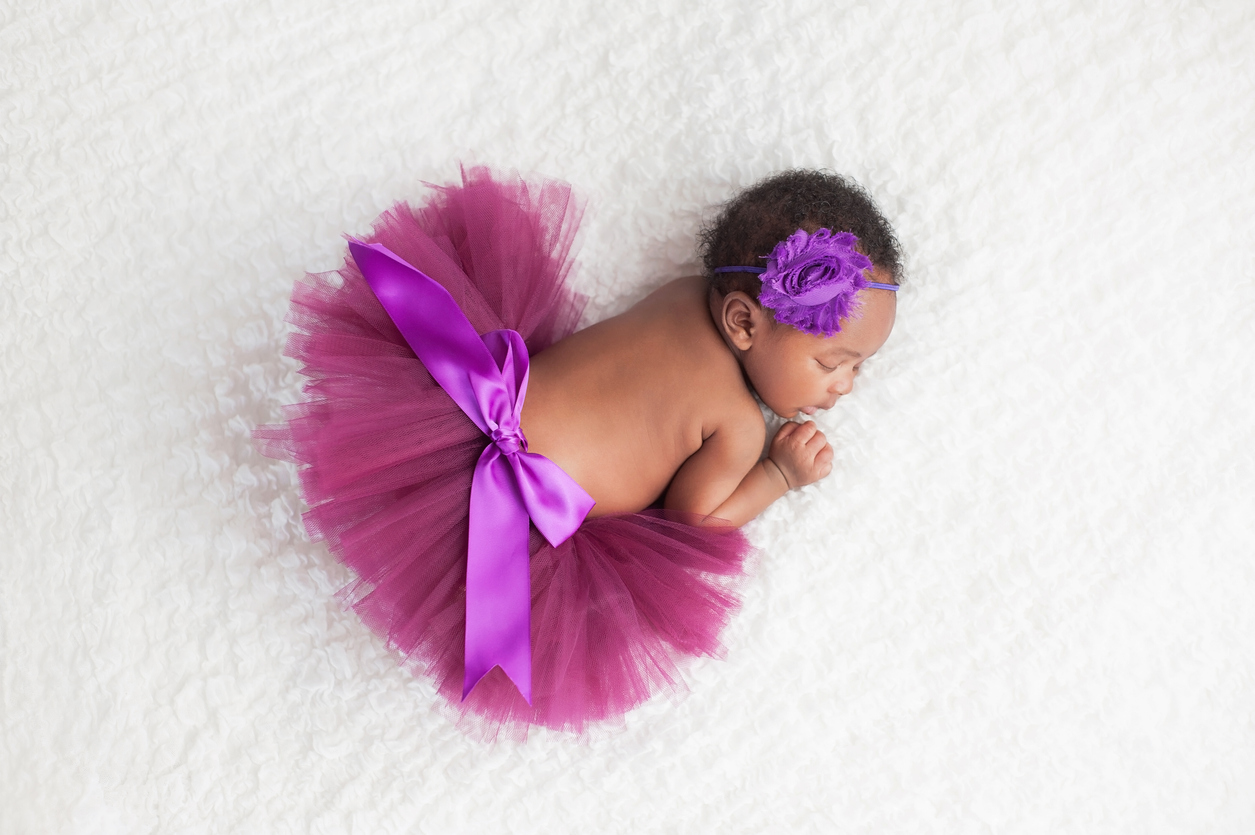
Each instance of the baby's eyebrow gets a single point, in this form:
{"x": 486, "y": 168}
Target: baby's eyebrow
{"x": 849, "y": 352}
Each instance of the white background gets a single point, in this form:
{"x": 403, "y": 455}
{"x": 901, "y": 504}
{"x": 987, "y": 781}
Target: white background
{"x": 1021, "y": 604}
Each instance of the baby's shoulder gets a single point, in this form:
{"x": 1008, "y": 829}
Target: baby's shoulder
{"x": 737, "y": 412}
{"x": 730, "y": 408}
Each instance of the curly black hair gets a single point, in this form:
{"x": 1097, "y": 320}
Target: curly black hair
{"x": 751, "y": 224}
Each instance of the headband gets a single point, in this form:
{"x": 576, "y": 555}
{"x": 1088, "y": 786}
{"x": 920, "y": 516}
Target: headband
{"x": 811, "y": 280}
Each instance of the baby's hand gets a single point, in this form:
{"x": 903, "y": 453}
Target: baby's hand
{"x": 802, "y": 453}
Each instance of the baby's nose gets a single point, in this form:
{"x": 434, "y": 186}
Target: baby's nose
{"x": 844, "y": 384}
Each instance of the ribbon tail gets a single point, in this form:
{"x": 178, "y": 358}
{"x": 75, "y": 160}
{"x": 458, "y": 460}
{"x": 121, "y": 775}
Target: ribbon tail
{"x": 435, "y": 328}
{"x": 498, "y": 583}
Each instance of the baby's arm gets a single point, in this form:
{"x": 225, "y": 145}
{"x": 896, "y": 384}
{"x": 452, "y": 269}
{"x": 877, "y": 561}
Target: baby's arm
{"x": 714, "y": 481}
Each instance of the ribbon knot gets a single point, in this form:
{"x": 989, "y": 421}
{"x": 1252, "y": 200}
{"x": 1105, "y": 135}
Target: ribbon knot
{"x": 487, "y": 378}
{"x": 509, "y": 438}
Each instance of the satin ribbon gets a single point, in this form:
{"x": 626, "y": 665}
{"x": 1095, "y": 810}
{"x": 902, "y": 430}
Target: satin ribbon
{"x": 487, "y": 378}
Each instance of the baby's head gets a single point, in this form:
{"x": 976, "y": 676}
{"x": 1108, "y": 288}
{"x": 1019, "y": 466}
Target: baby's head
{"x": 798, "y": 356}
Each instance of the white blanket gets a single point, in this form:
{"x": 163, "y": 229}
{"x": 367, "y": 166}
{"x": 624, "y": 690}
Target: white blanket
{"x": 1020, "y": 604}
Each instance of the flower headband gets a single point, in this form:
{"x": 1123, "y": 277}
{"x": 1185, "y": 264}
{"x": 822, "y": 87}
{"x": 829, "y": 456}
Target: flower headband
{"x": 811, "y": 280}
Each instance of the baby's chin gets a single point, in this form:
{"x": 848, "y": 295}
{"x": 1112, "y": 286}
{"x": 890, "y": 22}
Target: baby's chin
{"x": 790, "y": 414}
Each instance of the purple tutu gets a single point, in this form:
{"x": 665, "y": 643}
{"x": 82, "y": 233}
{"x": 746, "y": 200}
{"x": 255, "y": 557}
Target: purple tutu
{"x": 386, "y": 458}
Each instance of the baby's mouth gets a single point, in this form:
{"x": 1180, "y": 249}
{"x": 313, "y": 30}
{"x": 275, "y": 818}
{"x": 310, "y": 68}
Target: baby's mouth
{"x": 809, "y": 410}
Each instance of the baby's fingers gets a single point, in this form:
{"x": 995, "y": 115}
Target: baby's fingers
{"x": 823, "y": 460}
{"x": 786, "y": 429}
{"x": 816, "y": 440}
{"x": 803, "y": 432}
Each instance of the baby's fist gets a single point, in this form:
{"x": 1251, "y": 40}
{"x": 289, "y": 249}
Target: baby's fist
{"x": 802, "y": 453}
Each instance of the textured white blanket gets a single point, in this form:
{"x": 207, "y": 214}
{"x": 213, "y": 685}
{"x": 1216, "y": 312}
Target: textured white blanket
{"x": 1022, "y": 602}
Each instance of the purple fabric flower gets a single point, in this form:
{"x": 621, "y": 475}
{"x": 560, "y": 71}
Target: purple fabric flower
{"x": 811, "y": 280}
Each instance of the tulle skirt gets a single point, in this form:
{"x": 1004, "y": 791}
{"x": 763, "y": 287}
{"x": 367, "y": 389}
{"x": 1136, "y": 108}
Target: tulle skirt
{"x": 386, "y": 458}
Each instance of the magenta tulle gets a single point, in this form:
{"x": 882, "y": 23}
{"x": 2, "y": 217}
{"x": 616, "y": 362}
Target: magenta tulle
{"x": 386, "y": 458}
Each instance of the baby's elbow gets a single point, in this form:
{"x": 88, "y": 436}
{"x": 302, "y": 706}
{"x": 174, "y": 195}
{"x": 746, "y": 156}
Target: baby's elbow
{"x": 698, "y": 511}
{"x": 713, "y": 521}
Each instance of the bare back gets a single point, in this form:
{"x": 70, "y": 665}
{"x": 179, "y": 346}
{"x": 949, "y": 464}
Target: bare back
{"x": 621, "y": 405}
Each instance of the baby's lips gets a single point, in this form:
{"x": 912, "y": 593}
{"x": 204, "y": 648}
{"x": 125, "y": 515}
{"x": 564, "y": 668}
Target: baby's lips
{"x": 809, "y": 410}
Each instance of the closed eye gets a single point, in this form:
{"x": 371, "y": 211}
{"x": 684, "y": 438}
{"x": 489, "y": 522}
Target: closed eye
{"x": 826, "y": 367}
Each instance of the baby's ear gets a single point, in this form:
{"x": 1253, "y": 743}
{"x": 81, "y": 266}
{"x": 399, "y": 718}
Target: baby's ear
{"x": 741, "y": 316}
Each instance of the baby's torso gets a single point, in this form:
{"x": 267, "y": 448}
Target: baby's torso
{"x": 622, "y": 404}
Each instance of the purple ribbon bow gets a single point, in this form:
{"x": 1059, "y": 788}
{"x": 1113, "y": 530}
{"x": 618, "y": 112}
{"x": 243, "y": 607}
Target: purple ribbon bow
{"x": 487, "y": 378}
